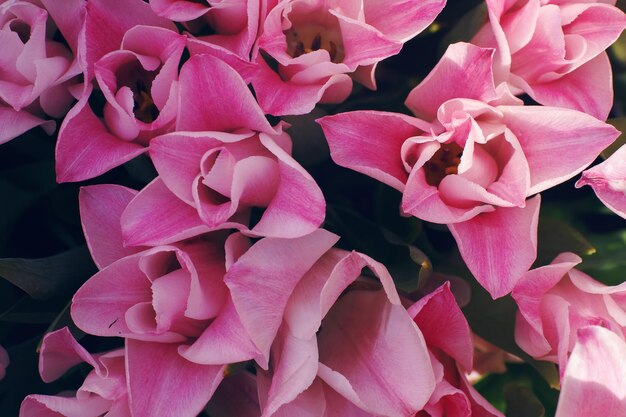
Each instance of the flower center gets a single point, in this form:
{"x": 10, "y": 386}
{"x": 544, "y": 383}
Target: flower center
{"x": 444, "y": 162}
{"x": 311, "y": 38}
{"x": 144, "y": 108}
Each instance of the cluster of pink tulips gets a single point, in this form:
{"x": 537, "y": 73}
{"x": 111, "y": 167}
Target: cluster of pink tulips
{"x": 230, "y": 296}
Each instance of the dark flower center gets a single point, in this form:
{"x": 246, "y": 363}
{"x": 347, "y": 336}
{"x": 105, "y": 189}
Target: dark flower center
{"x": 444, "y": 162}
{"x": 144, "y": 108}
{"x": 311, "y": 38}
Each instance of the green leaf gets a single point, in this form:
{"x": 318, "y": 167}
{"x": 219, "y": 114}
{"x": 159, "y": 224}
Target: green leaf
{"x": 620, "y": 124}
{"x": 466, "y": 27}
{"x": 521, "y": 401}
{"x": 45, "y": 278}
{"x": 556, "y": 236}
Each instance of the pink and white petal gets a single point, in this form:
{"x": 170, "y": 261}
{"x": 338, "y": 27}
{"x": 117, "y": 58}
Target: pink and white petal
{"x": 216, "y": 98}
{"x": 86, "y": 148}
{"x": 261, "y": 289}
{"x": 439, "y": 309}
{"x": 52, "y": 406}
{"x": 224, "y": 341}
{"x": 298, "y": 206}
{"x": 235, "y": 397}
{"x": 294, "y": 368}
{"x": 156, "y": 216}
{"x": 401, "y": 20}
{"x": 558, "y": 143}
{"x": 163, "y": 383}
{"x": 499, "y": 247}
{"x": 608, "y": 181}
{"x": 59, "y": 352}
{"x": 373, "y": 354}
{"x": 13, "y": 123}
{"x": 588, "y": 88}
{"x": 424, "y": 201}
{"x": 363, "y": 44}
{"x": 370, "y": 142}
{"x": 464, "y": 71}
{"x": 531, "y": 288}
{"x": 106, "y": 22}
{"x": 593, "y": 384}
{"x": 100, "y": 305}
{"x": 101, "y": 207}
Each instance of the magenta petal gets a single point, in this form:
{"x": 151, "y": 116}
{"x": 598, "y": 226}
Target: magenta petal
{"x": 593, "y": 384}
{"x": 86, "y": 149}
{"x": 224, "y": 341}
{"x": 370, "y": 142}
{"x": 372, "y": 353}
{"x": 464, "y": 71}
{"x": 499, "y": 247}
{"x": 558, "y": 143}
{"x": 163, "y": 383}
{"x": 439, "y": 310}
{"x": 216, "y": 98}
{"x": 101, "y": 208}
{"x": 100, "y": 305}
{"x": 589, "y": 88}
{"x": 59, "y": 352}
{"x": 260, "y": 289}
{"x": 156, "y": 216}
{"x": 608, "y": 181}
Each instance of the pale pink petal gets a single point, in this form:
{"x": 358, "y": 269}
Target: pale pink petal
{"x": 156, "y": 216}
{"x": 298, "y": 206}
{"x": 86, "y": 148}
{"x": 499, "y": 247}
{"x": 374, "y": 355}
{"x": 101, "y": 208}
{"x": 294, "y": 369}
{"x": 439, "y": 310}
{"x": 51, "y": 406}
{"x": 464, "y": 71}
{"x": 593, "y": 384}
{"x": 65, "y": 15}
{"x": 261, "y": 289}
{"x": 216, "y": 98}
{"x": 13, "y": 123}
{"x": 558, "y": 143}
{"x": 608, "y": 181}
{"x": 163, "y": 383}
{"x": 370, "y": 142}
{"x": 401, "y": 20}
{"x": 588, "y": 88}
{"x": 59, "y": 352}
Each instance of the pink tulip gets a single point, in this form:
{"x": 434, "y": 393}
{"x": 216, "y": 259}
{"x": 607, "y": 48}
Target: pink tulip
{"x": 556, "y": 300}
{"x": 471, "y": 159}
{"x": 228, "y": 24}
{"x": 318, "y": 47}
{"x": 139, "y": 84}
{"x": 451, "y": 356}
{"x": 224, "y": 160}
{"x": 37, "y": 72}
{"x": 608, "y": 180}
{"x": 346, "y": 346}
{"x": 554, "y": 50}
{"x": 593, "y": 384}
{"x": 103, "y": 391}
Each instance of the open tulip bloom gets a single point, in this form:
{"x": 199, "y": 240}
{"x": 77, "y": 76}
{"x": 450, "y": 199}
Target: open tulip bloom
{"x": 191, "y": 160}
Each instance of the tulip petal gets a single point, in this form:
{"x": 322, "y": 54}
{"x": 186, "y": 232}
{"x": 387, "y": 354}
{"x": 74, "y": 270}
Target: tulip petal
{"x": 163, "y": 383}
{"x": 59, "y": 352}
{"x": 558, "y": 143}
{"x": 499, "y": 247}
